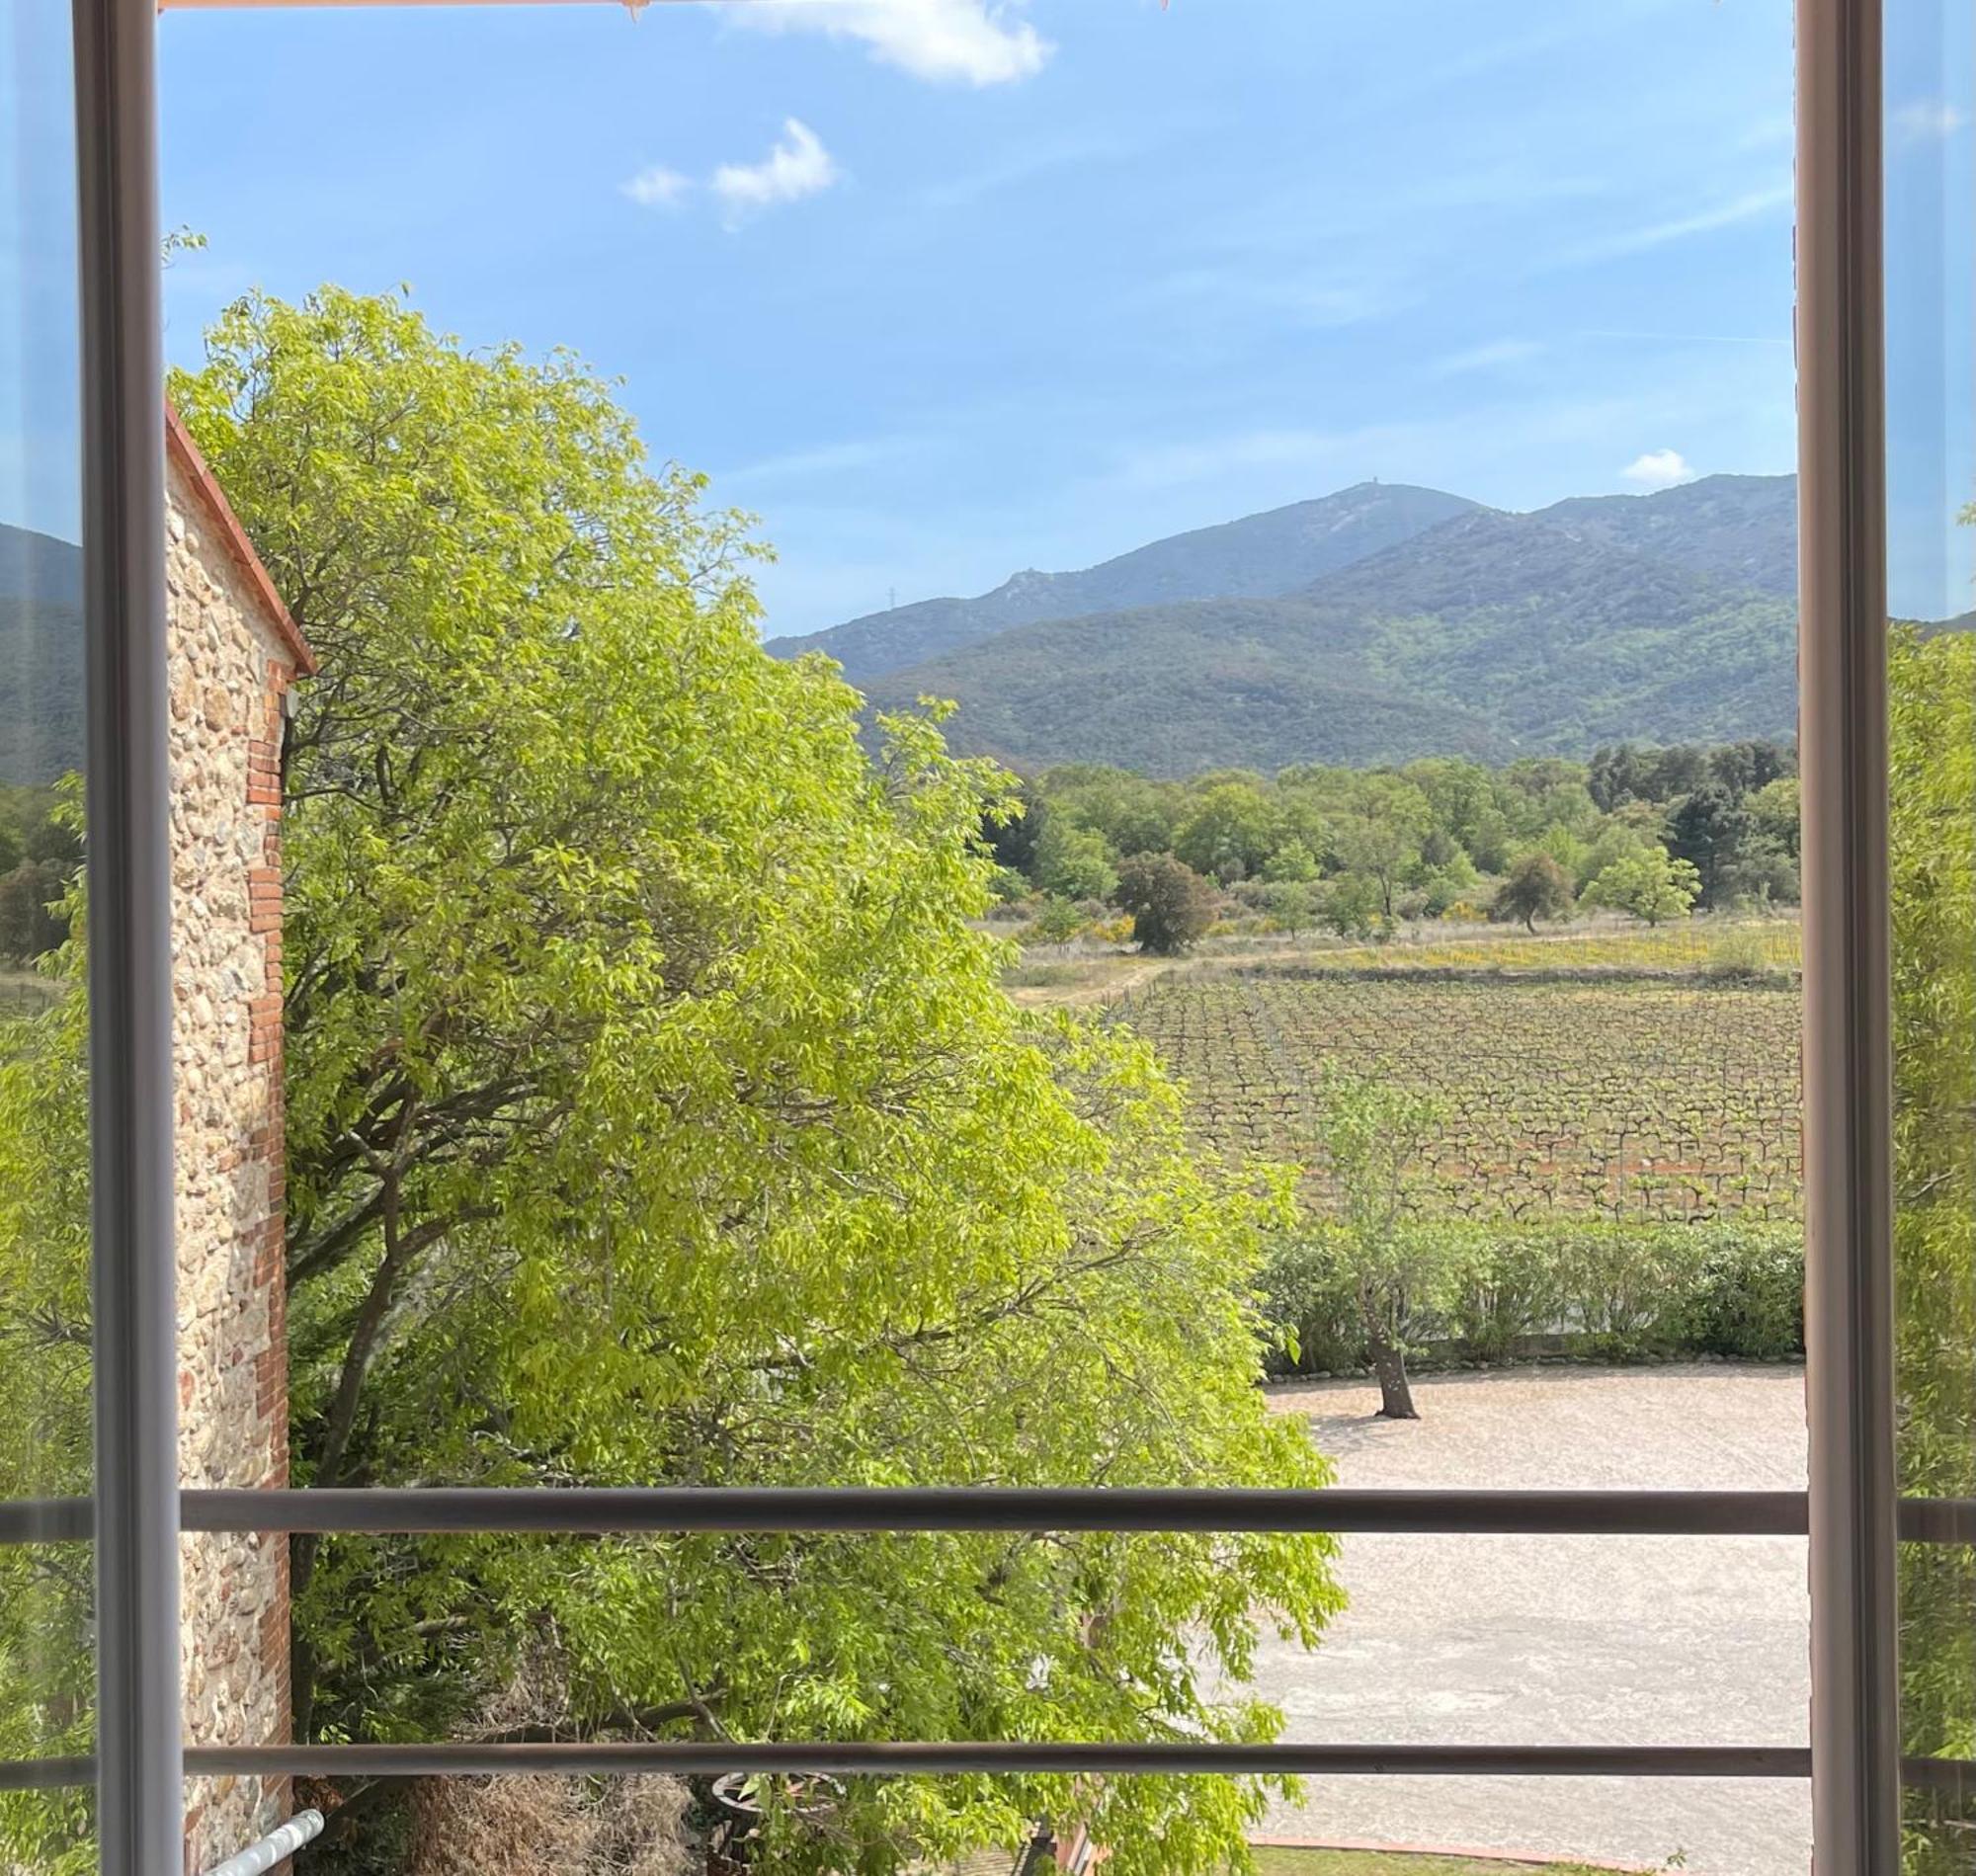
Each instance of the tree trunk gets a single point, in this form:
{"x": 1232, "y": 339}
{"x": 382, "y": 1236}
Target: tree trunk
{"x": 1396, "y": 1397}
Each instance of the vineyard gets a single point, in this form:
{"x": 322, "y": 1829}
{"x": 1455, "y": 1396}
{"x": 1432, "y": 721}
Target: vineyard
{"x": 1622, "y": 1100}
{"x": 1771, "y": 945}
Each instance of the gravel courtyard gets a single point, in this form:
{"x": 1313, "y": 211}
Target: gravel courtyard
{"x": 1604, "y": 1640}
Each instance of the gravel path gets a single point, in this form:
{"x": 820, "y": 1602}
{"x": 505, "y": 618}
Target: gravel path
{"x": 1469, "y": 1640}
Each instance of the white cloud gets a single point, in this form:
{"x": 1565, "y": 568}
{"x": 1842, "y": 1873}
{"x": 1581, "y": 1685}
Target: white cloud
{"x": 1745, "y": 208}
{"x": 966, "y": 41}
{"x": 1486, "y": 358}
{"x": 1658, "y": 469}
{"x": 658, "y": 187}
{"x": 1928, "y": 120}
{"x": 795, "y": 167}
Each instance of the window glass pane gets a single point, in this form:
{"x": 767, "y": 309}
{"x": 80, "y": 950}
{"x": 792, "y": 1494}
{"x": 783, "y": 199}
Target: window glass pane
{"x": 1387, "y": 998}
{"x": 46, "y": 1669}
{"x": 1931, "y": 158}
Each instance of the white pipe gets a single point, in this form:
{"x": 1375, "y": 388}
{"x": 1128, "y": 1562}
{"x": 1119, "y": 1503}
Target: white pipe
{"x": 274, "y": 1848}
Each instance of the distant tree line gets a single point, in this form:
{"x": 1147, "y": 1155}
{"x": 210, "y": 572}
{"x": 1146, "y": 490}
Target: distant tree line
{"x": 1653, "y": 832}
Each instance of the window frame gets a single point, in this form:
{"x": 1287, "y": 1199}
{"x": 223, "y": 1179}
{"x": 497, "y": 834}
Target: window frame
{"x": 1849, "y": 1515}
{"x": 139, "y": 1781}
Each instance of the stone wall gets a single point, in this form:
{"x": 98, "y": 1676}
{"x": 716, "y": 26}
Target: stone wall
{"x": 233, "y": 654}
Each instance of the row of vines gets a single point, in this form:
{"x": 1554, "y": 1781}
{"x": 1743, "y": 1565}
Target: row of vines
{"x": 1656, "y": 1101}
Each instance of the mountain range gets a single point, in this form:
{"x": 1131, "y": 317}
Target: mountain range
{"x": 41, "y": 656}
{"x": 1377, "y": 624}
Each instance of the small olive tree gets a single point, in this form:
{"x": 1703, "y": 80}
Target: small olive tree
{"x": 1402, "y": 1267}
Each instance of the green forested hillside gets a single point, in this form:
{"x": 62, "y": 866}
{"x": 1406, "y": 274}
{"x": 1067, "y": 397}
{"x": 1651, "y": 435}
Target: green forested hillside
{"x": 1742, "y": 528}
{"x": 1173, "y": 690}
{"x": 1491, "y": 635}
{"x": 41, "y": 657}
{"x": 1257, "y": 556}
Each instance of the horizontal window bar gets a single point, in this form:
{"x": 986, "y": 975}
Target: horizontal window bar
{"x": 603, "y": 1510}
{"x": 45, "y": 1774}
{"x": 879, "y": 1757}
{"x": 706, "y": 1757}
{"x": 996, "y": 1508}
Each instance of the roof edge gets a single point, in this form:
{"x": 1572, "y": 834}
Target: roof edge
{"x": 180, "y": 448}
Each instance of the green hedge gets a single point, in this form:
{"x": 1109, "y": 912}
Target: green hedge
{"x": 1619, "y": 1291}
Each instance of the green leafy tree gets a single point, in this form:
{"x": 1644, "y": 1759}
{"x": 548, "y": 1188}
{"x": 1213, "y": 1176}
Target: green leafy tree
{"x": 1618, "y": 840}
{"x": 47, "y": 1604}
{"x": 1073, "y": 862}
{"x": 1541, "y": 793}
{"x": 1292, "y": 864}
{"x": 1011, "y": 829}
{"x": 1380, "y": 838}
{"x": 1136, "y": 814}
{"x": 1774, "y": 809}
{"x": 1375, "y": 1135}
{"x": 1172, "y": 906}
{"x": 1652, "y": 885}
{"x": 1711, "y": 830}
{"x": 1231, "y": 833}
{"x": 1057, "y": 921}
{"x": 1934, "y": 879}
{"x": 1352, "y": 905}
{"x": 1538, "y": 887}
{"x": 655, "y": 1116}
{"x": 1463, "y": 799}
{"x": 1291, "y": 906}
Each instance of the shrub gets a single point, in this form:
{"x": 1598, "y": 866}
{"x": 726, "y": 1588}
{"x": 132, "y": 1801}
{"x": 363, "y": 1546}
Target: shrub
{"x": 1291, "y": 907}
{"x": 1352, "y": 906}
{"x": 1509, "y": 1289}
{"x": 1737, "y": 957}
{"x": 1622, "y": 1291}
{"x": 1749, "y": 1296}
{"x": 1311, "y": 1303}
{"x": 1057, "y": 921}
{"x": 1630, "y": 1286}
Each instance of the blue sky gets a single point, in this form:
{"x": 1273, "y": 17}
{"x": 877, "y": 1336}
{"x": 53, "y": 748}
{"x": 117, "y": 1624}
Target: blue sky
{"x": 942, "y": 289}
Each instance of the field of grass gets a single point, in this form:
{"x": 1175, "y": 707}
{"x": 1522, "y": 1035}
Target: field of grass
{"x": 1774, "y": 944}
{"x": 1619, "y": 1099}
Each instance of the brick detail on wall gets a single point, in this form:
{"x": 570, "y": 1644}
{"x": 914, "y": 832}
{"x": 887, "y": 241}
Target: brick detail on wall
{"x": 233, "y": 657}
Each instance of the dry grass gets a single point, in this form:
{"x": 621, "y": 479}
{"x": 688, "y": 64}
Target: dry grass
{"x": 524, "y": 1826}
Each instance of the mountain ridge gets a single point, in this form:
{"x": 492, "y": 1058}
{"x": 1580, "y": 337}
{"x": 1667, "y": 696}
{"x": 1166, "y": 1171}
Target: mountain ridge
{"x": 1493, "y": 634}
{"x": 1251, "y": 556}
{"x": 41, "y": 656}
